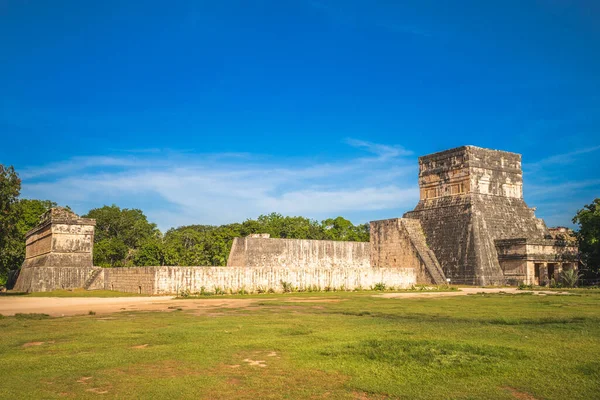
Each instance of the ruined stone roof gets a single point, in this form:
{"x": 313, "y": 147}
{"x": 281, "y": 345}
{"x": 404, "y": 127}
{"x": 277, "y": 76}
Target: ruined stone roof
{"x": 60, "y": 215}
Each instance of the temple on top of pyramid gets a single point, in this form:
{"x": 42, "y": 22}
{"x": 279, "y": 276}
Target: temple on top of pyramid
{"x": 477, "y": 224}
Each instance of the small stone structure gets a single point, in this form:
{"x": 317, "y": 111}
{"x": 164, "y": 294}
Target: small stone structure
{"x": 471, "y": 226}
{"x": 58, "y": 253}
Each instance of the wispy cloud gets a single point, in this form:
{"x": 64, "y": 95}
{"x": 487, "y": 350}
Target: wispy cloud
{"x": 383, "y": 151}
{"x": 175, "y": 189}
{"x": 561, "y": 159}
{"x": 555, "y": 184}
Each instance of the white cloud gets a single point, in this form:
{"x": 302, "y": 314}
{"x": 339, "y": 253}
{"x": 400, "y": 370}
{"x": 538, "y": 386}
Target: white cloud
{"x": 184, "y": 188}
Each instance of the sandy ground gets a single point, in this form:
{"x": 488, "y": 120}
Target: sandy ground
{"x": 66, "y": 306}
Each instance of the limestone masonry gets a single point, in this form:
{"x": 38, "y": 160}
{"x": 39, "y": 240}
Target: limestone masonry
{"x": 471, "y": 226}
{"x": 476, "y": 222}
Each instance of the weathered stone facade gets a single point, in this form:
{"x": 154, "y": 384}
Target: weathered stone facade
{"x": 169, "y": 280}
{"x": 261, "y": 251}
{"x": 469, "y": 199}
{"x": 400, "y": 243}
{"x": 58, "y": 253}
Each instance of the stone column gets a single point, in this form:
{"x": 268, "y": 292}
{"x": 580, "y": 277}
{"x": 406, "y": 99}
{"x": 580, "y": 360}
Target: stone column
{"x": 544, "y": 279}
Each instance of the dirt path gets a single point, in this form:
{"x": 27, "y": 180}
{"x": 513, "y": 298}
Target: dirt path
{"x": 66, "y": 306}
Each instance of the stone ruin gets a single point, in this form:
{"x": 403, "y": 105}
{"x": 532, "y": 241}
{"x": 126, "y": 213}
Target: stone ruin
{"x": 471, "y": 226}
{"x": 58, "y": 253}
{"x": 476, "y": 222}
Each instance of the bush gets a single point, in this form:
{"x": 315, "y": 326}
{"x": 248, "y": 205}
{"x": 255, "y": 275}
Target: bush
{"x": 524, "y": 286}
{"x": 379, "y": 286}
{"x": 219, "y": 290}
{"x": 31, "y": 316}
{"x": 286, "y": 286}
{"x": 570, "y": 278}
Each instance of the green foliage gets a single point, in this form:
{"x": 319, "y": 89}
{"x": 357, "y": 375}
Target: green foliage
{"x": 570, "y": 278}
{"x": 379, "y": 286}
{"x": 524, "y": 286}
{"x": 286, "y": 286}
{"x": 10, "y": 187}
{"x": 341, "y": 229}
{"x": 588, "y": 237}
{"x": 34, "y": 316}
{"x": 124, "y": 237}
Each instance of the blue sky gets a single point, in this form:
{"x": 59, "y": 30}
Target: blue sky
{"x": 214, "y": 112}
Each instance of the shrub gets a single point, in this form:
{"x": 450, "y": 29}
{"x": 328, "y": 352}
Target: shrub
{"x": 184, "y": 293}
{"x": 92, "y": 313}
{"x": 219, "y": 290}
{"x": 524, "y": 286}
{"x": 570, "y": 277}
{"x": 31, "y": 316}
{"x": 379, "y": 286}
{"x": 286, "y": 286}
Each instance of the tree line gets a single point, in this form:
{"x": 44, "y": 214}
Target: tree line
{"x": 125, "y": 237}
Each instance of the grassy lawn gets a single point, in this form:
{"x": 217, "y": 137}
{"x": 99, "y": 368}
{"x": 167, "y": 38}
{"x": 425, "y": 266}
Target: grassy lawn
{"x": 332, "y": 345}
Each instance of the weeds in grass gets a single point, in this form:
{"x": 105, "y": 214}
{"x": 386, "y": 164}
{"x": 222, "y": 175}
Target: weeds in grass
{"x": 34, "y": 316}
{"x": 286, "y": 286}
{"x": 219, "y": 290}
{"x": 379, "y": 286}
{"x": 428, "y": 352}
{"x": 524, "y": 286}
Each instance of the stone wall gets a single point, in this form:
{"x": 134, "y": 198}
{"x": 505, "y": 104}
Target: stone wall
{"x": 46, "y": 279}
{"x": 400, "y": 243}
{"x": 296, "y": 253}
{"x": 173, "y": 280}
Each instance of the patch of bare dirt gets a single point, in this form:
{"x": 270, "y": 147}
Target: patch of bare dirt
{"x": 366, "y": 396}
{"x": 518, "y": 394}
{"x": 141, "y": 346}
{"x": 97, "y": 390}
{"x": 84, "y": 379}
{"x": 30, "y": 344}
{"x": 255, "y": 363}
{"x": 68, "y": 306}
{"x": 313, "y": 300}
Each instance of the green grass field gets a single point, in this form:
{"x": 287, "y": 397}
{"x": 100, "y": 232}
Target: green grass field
{"x": 333, "y": 345}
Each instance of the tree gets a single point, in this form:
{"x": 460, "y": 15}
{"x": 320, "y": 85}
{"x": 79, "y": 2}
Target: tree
{"x": 588, "y": 237}
{"x": 341, "y": 229}
{"x": 119, "y": 236}
{"x": 10, "y": 187}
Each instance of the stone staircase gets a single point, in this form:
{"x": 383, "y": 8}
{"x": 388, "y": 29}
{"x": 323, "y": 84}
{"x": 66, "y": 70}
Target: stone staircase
{"x": 92, "y": 278}
{"x": 417, "y": 237}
